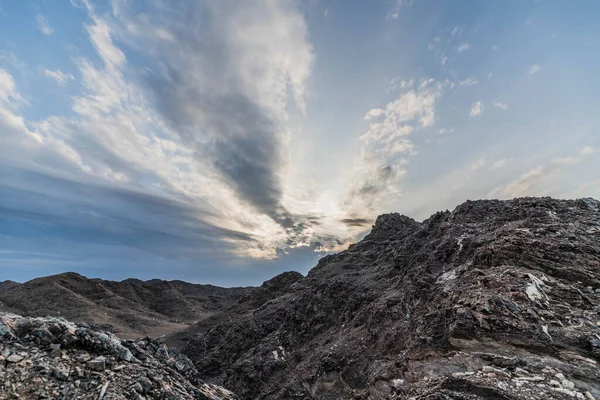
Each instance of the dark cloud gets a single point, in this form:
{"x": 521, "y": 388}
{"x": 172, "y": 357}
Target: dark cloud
{"x": 35, "y": 204}
{"x": 357, "y": 222}
{"x": 202, "y": 91}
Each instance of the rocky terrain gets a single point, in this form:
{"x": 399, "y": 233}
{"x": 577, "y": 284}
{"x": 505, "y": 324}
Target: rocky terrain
{"x": 51, "y": 358}
{"x": 494, "y": 300}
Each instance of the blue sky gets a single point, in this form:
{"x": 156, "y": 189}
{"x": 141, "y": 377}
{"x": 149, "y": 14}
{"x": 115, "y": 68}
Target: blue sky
{"x": 226, "y": 141}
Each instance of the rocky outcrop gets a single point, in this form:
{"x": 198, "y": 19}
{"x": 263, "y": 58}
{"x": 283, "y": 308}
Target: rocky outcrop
{"x": 51, "y": 358}
{"x": 251, "y": 299}
{"x": 494, "y": 300}
{"x": 7, "y": 285}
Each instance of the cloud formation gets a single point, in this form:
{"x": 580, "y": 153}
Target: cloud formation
{"x": 476, "y": 109}
{"x": 43, "y": 25}
{"x": 59, "y": 77}
{"x": 206, "y": 126}
{"x": 533, "y": 69}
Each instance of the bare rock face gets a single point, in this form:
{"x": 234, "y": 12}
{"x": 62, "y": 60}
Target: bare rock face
{"x": 494, "y": 300}
{"x": 51, "y": 358}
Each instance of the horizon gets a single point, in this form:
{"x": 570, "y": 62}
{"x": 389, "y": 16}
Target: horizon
{"x": 225, "y": 142}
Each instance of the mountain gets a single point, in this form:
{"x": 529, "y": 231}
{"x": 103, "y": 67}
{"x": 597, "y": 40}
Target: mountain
{"x": 6, "y": 285}
{"x": 252, "y": 299}
{"x": 494, "y": 300}
{"x": 131, "y": 308}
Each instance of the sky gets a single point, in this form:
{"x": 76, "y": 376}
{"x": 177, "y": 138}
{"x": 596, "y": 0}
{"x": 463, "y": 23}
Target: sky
{"x": 227, "y": 141}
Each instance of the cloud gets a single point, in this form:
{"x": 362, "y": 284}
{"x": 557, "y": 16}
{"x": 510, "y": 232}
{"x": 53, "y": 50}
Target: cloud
{"x": 8, "y": 92}
{"x": 469, "y": 82}
{"x": 457, "y": 30}
{"x": 477, "y": 164}
{"x": 394, "y": 13}
{"x": 533, "y": 69}
{"x": 500, "y": 163}
{"x": 357, "y": 222}
{"x": 586, "y": 151}
{"x": 61, "y": 78}
{"x": 374, "y": 113}
{"x": 501, "y": 105}
{"x": 412, "y": 110}
{"x": 43, "y": 25}
{"x": 206, "y": 123}
{"x": 444, "y": 130}
{"x": 476, "y": 109}
{"x": 258, "y": 52}
{"x": 463, "y": 47}
{"x": 565, "y": 160}
{"x": 386, "y": 147}
{"x": 524, "y": 184}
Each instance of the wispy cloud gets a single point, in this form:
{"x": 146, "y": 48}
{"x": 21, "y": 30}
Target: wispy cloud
{"x": 524, "y": 184}
{"x": 476, "y": 109}
{"x": 565, "y": 160}
{"x": 387, "y": 145}
{"x": 59, "y": 77}
{"x": 477, "y": 164}
{"x": 468, "y": 82}
{"x": 588, "y": 150}
{"x": 43, "y": 25}
{"x": 500, "y": 163}
{"x": 500, "y": 104}
{"x": 533, "y": 69}
{"x": 463, "y": 47}
{"x": 394, "y": 13}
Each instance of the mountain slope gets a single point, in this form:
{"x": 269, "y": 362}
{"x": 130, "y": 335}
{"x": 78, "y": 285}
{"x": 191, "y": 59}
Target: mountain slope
{"x": 497, "y": 299}
{"x": 7, "y": 285}
{"x": 131, "y": 308}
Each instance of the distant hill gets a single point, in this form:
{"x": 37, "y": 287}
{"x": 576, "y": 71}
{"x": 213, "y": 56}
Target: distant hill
{"x": 6, "y": 285}
{"x": 131, "y": 308}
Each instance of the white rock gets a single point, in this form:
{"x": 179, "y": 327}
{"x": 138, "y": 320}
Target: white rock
{"x": 14, "y": 358}
{"x": 397, "y": 383}
{"x": 567, "y": 384}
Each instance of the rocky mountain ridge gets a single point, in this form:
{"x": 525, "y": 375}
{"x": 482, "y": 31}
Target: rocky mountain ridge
{"x": 130, "y": 308}
{"x": 494, "y": 300}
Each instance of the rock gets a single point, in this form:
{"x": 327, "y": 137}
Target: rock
{"x": 61, "y": 374}
{"x": 33, "y": 373}
{"x": 145, "y": 384}
{"x": 14, "y": 358}
{"x": 97, "y": 364}
{"x": 567, "y": 384}
{"x": 397, "y": 383}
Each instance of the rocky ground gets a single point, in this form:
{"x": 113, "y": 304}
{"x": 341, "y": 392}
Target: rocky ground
{"x": 494, "y": 300}
{"x": 50, "y": 358}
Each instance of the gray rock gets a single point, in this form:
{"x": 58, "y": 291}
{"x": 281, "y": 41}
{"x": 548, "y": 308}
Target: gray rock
{"x": 14, "y": 358}
{"x": 97, "y": 364}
